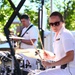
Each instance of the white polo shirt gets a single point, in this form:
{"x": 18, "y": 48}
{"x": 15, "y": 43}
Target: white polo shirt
{"x": 63, "y": 43}
{"x": 32, "y": 33}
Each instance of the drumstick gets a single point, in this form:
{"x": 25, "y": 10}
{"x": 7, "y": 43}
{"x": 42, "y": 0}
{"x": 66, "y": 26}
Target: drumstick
{"x": 41, "y": 43}
{"x": 36, "y": 49}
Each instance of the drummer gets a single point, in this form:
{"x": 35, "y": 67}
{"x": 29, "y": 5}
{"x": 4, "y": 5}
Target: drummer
{"x": 64, "y": 48}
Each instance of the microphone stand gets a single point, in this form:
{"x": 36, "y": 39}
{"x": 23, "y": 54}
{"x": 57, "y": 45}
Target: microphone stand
{"x": 40, "y": 21}
{"x": 16, "y": 71}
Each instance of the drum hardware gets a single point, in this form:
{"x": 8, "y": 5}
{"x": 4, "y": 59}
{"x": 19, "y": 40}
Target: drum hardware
{"x": 8, "y": 54}
{"x": 21, "y": 64}
{"x": 5, "y": 59}
{"x": 5, "y": 70}
{"x": 20, "y": 60}
{"x": 28, "y": 64}
{"x": 2, "y": 70}
{"x": 39, "y": 65}
{"x": 7, "y": 63}
{"x": 37, "y": 52}
{"x": 8, "y": 69}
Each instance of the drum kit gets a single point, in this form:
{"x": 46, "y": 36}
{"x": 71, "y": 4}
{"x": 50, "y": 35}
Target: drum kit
{"x": 28, "y": 59}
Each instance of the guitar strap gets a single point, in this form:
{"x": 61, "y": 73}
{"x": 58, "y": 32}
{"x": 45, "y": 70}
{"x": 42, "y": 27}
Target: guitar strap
{"x": 26, "y": 30}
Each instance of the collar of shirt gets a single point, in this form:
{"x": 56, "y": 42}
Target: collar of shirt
{"x": 60, "y": 32}
{"x": 28, "y": 26}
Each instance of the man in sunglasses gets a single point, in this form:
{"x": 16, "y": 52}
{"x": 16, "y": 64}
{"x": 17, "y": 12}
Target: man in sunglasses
{"x": 64, "y": 49}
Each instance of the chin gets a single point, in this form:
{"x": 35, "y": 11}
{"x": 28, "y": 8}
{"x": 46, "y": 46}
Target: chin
{"x": 55, "y": 30}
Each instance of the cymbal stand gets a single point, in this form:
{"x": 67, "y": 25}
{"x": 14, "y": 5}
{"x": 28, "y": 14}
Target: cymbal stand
{"x": 12, "y": 66}
{"x": 40, "y": 20}
{"x": 7, "y": 32}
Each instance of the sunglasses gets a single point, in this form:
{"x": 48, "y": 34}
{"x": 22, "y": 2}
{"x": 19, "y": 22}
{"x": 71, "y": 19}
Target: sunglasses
{"x": 55, "y": 23}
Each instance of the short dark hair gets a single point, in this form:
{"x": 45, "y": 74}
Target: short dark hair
{"x": 24, "y": 16}
{"x": 59, "y": 15}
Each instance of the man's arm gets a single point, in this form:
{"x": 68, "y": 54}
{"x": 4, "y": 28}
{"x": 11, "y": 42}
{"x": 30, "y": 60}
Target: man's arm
{"x": 68, "y": 58}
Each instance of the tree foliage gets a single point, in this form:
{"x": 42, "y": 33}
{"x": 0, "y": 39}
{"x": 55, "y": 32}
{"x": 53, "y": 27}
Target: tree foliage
{"x": 33, "y": 12}
{"x": 69, "y": 15}
{"x": 68, "y": 11}
{"x": 4, "y": 13}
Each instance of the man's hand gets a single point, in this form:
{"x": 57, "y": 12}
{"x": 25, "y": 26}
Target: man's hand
{"x": 48, "y": 55}
{"x": 46, "y": 64}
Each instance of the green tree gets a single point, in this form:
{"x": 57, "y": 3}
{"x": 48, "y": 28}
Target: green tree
{"x": 68, "y": 11}
{"x": 4, "y": 13}
{"x": 69, "y": 15}
{"x": 34, "y": 13}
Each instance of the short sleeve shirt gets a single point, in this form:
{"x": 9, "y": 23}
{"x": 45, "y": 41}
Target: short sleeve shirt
{"x": 32, "y": 33}
{"x": 63, "y": 43}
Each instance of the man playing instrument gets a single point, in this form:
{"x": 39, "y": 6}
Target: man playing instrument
{"x": 64, "y": 49}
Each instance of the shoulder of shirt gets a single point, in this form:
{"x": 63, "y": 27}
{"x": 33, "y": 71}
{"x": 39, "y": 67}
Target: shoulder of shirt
{"x": 66, "y": 34}
{"x": 34, "y": 27}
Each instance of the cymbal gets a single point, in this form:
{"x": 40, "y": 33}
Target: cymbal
{"x": 32, "y": 53}
{"x": 16, "y": 37}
